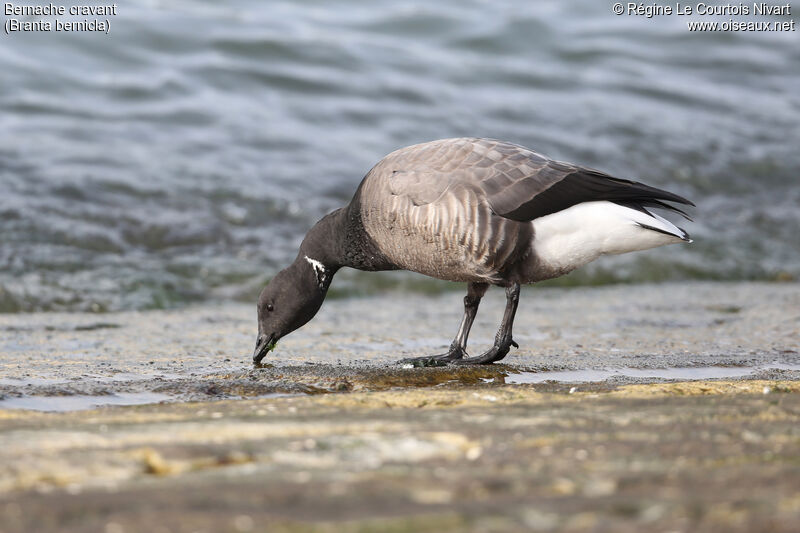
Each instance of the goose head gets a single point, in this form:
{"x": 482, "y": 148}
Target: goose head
{"x": 288, "y": 302}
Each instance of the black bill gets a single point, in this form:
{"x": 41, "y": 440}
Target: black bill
{"x": 264, "y": 344}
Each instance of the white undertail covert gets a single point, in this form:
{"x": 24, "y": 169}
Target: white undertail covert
{"x": 580, "y": 234}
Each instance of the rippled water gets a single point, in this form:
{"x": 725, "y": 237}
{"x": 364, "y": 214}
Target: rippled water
{"x": 183, "y": 156}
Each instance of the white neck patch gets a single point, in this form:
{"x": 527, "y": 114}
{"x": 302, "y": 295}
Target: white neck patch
{"x": 320, "y": 272}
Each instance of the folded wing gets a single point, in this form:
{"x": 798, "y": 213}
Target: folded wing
{"x": 517, "y": 183}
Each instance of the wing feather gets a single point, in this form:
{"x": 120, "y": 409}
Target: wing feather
{"x": 517, "y": 183}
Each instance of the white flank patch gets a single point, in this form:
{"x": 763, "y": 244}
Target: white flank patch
{"x": 575, "y": 236}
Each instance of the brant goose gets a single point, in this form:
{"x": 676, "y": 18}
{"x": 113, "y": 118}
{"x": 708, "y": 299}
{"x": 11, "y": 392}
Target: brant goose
{"x": 480, "y": 211}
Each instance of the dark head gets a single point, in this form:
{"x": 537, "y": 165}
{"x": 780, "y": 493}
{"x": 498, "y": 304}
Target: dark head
{"x": 290, "y": 300}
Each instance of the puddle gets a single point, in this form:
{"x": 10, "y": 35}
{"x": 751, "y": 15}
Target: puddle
{"x": 81, "y": 402}
{"x": 21, "y": 382}
{"x": 132, "y": 377}
{"x": 688, "y": 373}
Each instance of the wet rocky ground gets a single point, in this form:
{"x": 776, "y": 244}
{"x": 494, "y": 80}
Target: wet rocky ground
{"x": 627, "y": 408}
{"x": 711, "y": 456}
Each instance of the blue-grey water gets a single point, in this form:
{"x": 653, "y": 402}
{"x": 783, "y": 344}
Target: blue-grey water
{"x": 182, "y": 156}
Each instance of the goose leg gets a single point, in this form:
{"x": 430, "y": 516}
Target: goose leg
{"x": 458, "y": 348}
{"x": 503, "y": 341}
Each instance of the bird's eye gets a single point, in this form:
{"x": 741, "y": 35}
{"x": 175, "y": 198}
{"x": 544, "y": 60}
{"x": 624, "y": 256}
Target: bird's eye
{"x": 270, "y": 307}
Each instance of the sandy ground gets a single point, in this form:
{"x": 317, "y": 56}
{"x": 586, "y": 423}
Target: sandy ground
{"x": 362, "y": 444}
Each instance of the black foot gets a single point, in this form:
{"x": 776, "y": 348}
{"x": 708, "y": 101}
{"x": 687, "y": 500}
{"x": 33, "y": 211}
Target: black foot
{"x": 453, "y": 356}
{"x": 495, "y": 353}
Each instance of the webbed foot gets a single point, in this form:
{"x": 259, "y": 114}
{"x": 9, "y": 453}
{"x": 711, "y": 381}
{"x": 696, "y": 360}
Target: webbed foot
{"x": 454, "y": 355}
{"x": 495, "y": 353}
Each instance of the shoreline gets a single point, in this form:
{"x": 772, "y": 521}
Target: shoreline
{"x": 333, "y": 435}
{"x": 595, "y": 334}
